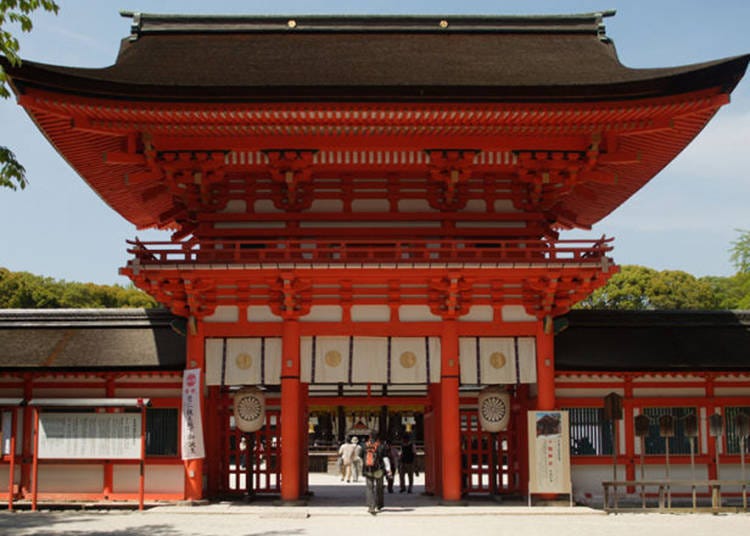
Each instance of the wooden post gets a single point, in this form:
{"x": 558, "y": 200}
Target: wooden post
{"x": 545, "y": 364}
{"x": 450, "y": 424}
{"x": 291, "y": 414}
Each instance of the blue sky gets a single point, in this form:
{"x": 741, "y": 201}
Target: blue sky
{"x": 684, "y": 219}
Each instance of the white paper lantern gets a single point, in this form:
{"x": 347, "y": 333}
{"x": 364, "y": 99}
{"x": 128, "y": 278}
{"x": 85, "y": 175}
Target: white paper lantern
{"x": 494, "y": 409}
{"x": 249, "y": 409}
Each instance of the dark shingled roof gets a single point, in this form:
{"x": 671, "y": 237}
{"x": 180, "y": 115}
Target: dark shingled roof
{"x": 408, "y": 58}
{"x": 607, "y": 341}
{"x": 654, "y": 341}
{"x": 90, "y": 339}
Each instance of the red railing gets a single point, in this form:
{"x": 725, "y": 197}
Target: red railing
{"x": 307, "y": 251}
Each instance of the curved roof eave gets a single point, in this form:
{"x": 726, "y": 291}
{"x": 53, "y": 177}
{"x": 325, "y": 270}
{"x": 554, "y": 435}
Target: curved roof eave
{"x": 724, "y": 74}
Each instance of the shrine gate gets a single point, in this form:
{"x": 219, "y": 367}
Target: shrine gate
{"x": 366, "y": 214}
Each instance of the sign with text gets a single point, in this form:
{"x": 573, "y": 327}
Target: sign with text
{"x": 549, "y": 452}
{"x": 192, "y": 421}
{"x": 87, "y": 436}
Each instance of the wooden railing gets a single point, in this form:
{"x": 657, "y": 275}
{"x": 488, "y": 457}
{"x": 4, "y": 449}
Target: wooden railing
{"x": 309, "y": 251}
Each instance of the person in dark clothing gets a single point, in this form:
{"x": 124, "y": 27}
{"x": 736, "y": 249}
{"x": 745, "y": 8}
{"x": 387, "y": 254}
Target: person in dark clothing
{"x": 406, "y": 467}
{"x": 393, "y": 453}
{"x": 376, "y": 465}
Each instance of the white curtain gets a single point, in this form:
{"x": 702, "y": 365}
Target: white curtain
{"x": 243, "y": 361}
{"x": 370, "y": 360}
{"x": 496, "y": 361}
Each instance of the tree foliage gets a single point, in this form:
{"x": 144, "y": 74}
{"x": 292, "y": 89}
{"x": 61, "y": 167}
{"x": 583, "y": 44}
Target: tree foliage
{"x": 15, "y": 13}
{"x": 641, "y": 288}
{"x": 22, "y": 290}
{"x": 740, "y": 252}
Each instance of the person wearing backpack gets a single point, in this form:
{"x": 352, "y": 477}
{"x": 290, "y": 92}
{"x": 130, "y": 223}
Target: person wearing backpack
{"x": 376, "y": 465}
{"x": 406, "y": 467}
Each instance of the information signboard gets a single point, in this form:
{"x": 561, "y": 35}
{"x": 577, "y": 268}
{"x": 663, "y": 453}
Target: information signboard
{"x": 90, "y": 436}
{"x": 549, "y": 452}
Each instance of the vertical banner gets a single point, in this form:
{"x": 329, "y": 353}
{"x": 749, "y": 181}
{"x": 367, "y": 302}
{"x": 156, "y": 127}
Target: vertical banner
{"x": 549, "y": 452}
{"x": 192, "y": 421}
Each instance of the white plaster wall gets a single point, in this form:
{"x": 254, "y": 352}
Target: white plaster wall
{"x": 562, "y": 393}
{"x": 414, "y": 205}
{"x": 148, "y": 393}
{"x": 71, "y": 478}
{"x": 159, "y": 479}
{"x": 326, "y": 205}
{"x": 516, "y": 313}
{"x": 4, "y": 470}
{"x": 66, "y": 392}
{"x": 261, "y": 313}
{"x": 266, "y": 206}
{"x": 478, "y": 313}
{"x": 224, "y": 313}
{"x": 235, "y": 206}
{"x": 323, "y": 313}
{"x": 587, "y": 480}
{"x": 667, "y": 391}
{"x": 475, "y": 205}
{"x": 371, "y": 205}
{"x": 370, "y": 313}
{"x": 249, "y": 225}
{"x": 505, "y": 205}
{"x": 416, "y": 313}
{"x": 732, "y": 391}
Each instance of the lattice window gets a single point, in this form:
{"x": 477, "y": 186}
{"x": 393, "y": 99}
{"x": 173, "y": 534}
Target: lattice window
{"x": 590, "y": 434}
{"x": 679, "y": 443}
{"x": 733, "y": 437}
{"x": 161, "y": 431}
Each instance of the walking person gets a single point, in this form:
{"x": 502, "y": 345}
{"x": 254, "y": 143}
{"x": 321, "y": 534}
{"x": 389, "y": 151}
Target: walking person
{"x": 392, "y": 451}
{"x": 346, "y": 453}
{"x": 376, "y": 466}
{"x": 407, "y": 465}
{"x": 356, "y": 459}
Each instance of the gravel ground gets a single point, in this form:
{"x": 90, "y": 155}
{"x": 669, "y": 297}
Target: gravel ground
{"x": 338, "y": 509}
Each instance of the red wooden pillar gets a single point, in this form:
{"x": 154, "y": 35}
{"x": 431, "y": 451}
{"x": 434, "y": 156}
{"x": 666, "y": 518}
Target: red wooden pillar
{"x": 213, "y": 439}
{"x": 291, "y": 412}
{"x": 545, "y": 364}
{"x": 108, "y": 466}
{"x": 629, "y": 420}
{"x": 27, "y": 448}
{"x": 303, "y": 451}
{"x": 450, "y": 423}
{"x": 433, "y": 454}
{"x": 713, "y": 472}
{"x": 195, "y": 359}
{"x": 522, "y": 437}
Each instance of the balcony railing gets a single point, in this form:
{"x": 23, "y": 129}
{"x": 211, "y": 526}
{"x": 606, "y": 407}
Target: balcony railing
{"x": 308, "y": 251}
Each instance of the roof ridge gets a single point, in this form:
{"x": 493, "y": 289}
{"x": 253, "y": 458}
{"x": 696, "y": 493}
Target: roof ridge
{"x": 154, "y": 23}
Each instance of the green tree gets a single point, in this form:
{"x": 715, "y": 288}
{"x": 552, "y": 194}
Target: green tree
{"x": 740, "y": 252}
{"x": 641, "y": 288}
{"x": 15, "y": 12}
{"x": 22, "y": 290}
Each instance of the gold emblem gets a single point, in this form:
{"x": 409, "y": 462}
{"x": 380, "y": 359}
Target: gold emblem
{"x": 333, "y": 358}
{"x": 244, "y": 361}
{"x": 497, "y": 360}
{"x": 408, "y": 359}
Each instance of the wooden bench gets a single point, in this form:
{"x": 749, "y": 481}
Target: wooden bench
{"x": 665, "y": 487}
